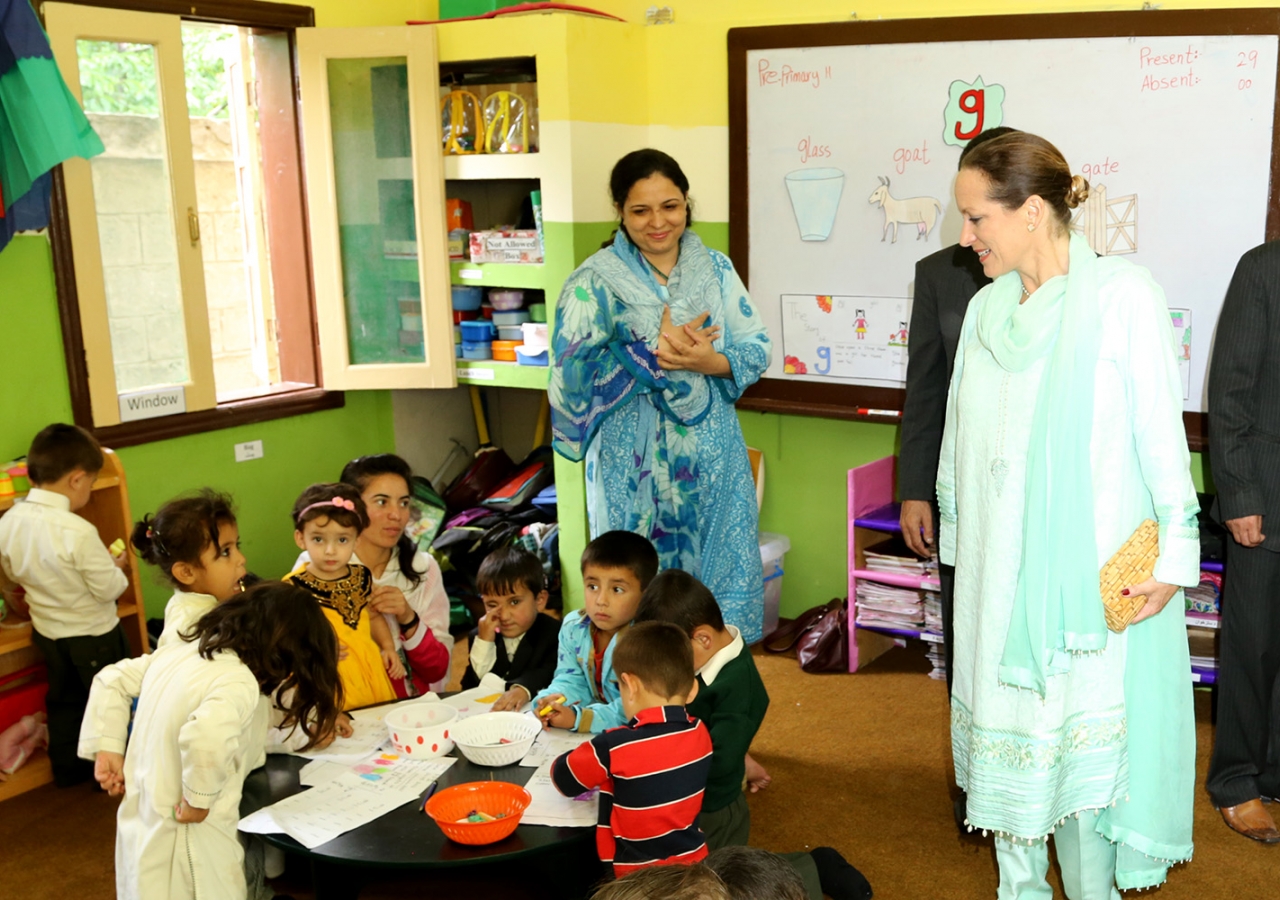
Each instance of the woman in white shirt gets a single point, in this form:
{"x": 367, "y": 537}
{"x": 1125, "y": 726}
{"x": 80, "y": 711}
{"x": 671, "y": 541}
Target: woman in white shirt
{"x": 409, "y": 588}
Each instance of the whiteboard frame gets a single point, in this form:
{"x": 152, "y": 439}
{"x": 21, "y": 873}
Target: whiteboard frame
{"x": 842, "y": 401}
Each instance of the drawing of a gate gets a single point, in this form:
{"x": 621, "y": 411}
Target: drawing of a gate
{"x": 1110, "y": 226}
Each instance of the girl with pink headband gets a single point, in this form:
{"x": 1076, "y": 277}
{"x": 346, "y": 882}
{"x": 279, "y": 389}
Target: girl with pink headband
{"x": 327, "y": 519}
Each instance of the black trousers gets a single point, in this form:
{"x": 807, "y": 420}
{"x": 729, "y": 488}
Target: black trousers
{"x": 72, "y": 663}
{"x": 947, "y": 575}
{"x": 1245, "y": 763}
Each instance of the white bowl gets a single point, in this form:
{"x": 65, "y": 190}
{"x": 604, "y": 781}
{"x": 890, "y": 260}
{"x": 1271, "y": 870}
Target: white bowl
{"x": 422, "y": 730}
{"x": 480, "y": 738}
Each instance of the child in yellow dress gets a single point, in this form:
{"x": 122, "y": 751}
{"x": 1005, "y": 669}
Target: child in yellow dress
{"x": 327, "y": 518}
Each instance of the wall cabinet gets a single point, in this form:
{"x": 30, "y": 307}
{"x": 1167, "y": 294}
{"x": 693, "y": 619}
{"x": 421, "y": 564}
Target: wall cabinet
{"x": 377, "y": 180}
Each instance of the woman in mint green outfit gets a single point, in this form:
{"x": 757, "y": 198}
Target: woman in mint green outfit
{"x": 1064, "y": 432}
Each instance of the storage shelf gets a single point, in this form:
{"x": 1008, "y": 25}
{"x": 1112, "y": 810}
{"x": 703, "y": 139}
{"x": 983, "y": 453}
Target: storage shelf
{"x": 884, "y": 518}
{"x": 931, "y": 636}
{"x": 1204, "y": 620}
{"x": 907, "y": 581}
{"x": 7, "y": 501}
{"x": 16, "y": 638}
{"x": 35, "y": 772}
{"x": 506, "y": 275}
{"x": 495, "y": 373}
{"x": 493, "y": 166}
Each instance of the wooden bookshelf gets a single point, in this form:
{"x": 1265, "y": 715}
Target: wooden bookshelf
{"x": 108, "y": 510}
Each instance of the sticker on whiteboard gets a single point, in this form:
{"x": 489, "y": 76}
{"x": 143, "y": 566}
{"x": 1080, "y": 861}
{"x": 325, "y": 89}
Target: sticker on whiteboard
{"x": 922, "y": 212}
{"x": 845, "y": 337}
{"x": 815, "y": 198}
{"x": 971, "y": 109}
{"x": 475, "y": 373}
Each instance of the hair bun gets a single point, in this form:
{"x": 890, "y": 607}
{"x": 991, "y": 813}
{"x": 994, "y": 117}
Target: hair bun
{"x": 1078, "y": 192}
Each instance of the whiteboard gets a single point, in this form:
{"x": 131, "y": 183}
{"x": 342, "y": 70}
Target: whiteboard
{"x": 851, "y": 155}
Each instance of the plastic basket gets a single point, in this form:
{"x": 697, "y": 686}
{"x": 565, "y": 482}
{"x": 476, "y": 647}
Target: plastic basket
{"x": 494, "y": 798}
{"x": 479, "y": 737}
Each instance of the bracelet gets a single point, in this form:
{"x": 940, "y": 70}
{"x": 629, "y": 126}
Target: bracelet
{"x": 410, "y": 625}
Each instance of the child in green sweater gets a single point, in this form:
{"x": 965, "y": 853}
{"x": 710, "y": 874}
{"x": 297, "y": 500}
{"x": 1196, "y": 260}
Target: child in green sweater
{"x": 732, "y": 701}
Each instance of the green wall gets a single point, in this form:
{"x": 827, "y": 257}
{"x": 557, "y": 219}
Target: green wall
{"x": 296, "y": 451}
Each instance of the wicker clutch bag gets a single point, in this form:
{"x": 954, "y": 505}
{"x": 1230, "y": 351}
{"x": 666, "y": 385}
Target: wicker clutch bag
{"x": 1133, "y": 563}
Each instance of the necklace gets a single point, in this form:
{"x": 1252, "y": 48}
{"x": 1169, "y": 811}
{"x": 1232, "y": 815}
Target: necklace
{"x": 664, "y": 275}
{"x": 1025, "y": 293}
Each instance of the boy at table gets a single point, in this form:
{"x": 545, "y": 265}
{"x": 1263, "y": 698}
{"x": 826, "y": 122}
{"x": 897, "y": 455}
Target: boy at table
{"x": 652, "y": 771}
{"x": 515, "y": 639}
{"x": 731, "y": 699}
{"x": 584, "y": 696}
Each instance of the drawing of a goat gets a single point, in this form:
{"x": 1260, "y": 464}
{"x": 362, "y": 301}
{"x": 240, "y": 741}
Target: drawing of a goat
{"x": 919, "y": 211}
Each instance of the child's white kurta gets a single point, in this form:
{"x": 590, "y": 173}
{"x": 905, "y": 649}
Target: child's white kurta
{"x": 195, "y": 735}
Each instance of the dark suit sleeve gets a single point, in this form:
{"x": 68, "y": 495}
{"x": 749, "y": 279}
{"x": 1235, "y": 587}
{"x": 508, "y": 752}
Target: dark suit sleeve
{"x": 469, "y": 677}
{"x": 541, "y": 667}
{"x": 926, "y": 403}
{"x": 1239, "y": 348}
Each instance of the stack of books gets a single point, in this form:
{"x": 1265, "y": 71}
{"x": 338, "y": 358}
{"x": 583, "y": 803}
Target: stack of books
{"x": 893, "y": 557}
{"x": 889, "y": 607}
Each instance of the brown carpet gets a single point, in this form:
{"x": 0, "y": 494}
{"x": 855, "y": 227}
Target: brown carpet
{"x": 860, "y": 762}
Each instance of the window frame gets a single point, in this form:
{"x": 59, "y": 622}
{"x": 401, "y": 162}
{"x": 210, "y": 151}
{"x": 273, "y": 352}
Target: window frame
{"x": 266, "y": 406}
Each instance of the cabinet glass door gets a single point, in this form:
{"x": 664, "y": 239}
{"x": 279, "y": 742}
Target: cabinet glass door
{"x": 376, "y": 195}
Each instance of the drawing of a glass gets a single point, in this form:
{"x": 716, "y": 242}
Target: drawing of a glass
{"x": 815, "y": 197}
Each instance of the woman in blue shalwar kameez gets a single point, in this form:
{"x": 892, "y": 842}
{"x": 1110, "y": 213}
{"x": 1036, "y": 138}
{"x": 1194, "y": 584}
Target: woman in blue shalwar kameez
{"x": 649, "y": 404}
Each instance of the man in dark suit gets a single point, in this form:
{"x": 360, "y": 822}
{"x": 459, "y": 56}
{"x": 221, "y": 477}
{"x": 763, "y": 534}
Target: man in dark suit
{"x": 945, "y": 283}
{"x": 1244, "y": 445}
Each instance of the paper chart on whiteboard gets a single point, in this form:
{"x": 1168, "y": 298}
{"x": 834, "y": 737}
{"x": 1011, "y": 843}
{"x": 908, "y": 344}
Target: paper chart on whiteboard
{"x": 863, "y": 338}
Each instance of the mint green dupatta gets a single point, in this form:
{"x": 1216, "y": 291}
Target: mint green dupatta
{"x": 1057, "y": 607}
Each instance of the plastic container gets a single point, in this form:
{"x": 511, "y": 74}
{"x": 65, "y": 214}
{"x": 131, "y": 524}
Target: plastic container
{"x": 457, "y": 350}
{"x": 534, "y": 335}
{"x": 422, "y": 730}
{"x": 511, "y": 317}
{"x": 505, "y": 351}
{"x": 466, "y": 296}
{"x": 501, "y": 799}
{"x": 537, "y": 312}
{"x": 486, "y": 311}
{"x": 525, "y": 358}
{"x": 6, "y": 484}
{"x": 477, "y": 350}
{"x": 506, "y": 300}
{"x": 496, "y": 738}
{"x": 465, "y": 315}
{"x": 18, "y": 472}
{"x": 510, "y": 333}
{"x": 773, "y": 550}
{"x": 476, "y": 331}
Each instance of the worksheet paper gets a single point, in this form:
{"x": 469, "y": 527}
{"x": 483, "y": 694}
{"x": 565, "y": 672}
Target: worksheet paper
{"x": 551, "y": 743}
{"x": 369, "y": 735}
{"x": 356, "y": 797}
{"x": 480, "y": 699}
{"x": 550, "y": 807}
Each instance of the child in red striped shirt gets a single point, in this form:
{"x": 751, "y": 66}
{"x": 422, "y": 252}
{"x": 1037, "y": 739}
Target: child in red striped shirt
{"x": 652, "y": 771}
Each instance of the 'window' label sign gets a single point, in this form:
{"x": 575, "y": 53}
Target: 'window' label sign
{"x": 152, "y": 403}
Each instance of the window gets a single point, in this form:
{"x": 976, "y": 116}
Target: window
{"x": 181, "y": 253}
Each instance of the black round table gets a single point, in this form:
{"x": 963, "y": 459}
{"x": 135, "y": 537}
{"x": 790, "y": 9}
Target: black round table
{"x": 407, "y": 838}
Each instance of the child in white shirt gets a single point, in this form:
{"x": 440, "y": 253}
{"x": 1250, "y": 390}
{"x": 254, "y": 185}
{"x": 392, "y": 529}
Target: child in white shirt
{"x": 197, "y": 732}
{"x": 71, "y": 582}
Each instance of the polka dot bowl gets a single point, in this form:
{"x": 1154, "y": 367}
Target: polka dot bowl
{"x": 497, "y": 738}
{"x": 422, "y": 730}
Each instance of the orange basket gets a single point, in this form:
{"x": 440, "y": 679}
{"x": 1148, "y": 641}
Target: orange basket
{"x": 493, "y": 798}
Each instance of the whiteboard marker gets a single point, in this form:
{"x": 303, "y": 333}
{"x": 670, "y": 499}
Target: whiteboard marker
{"x": 878, "y": 412}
